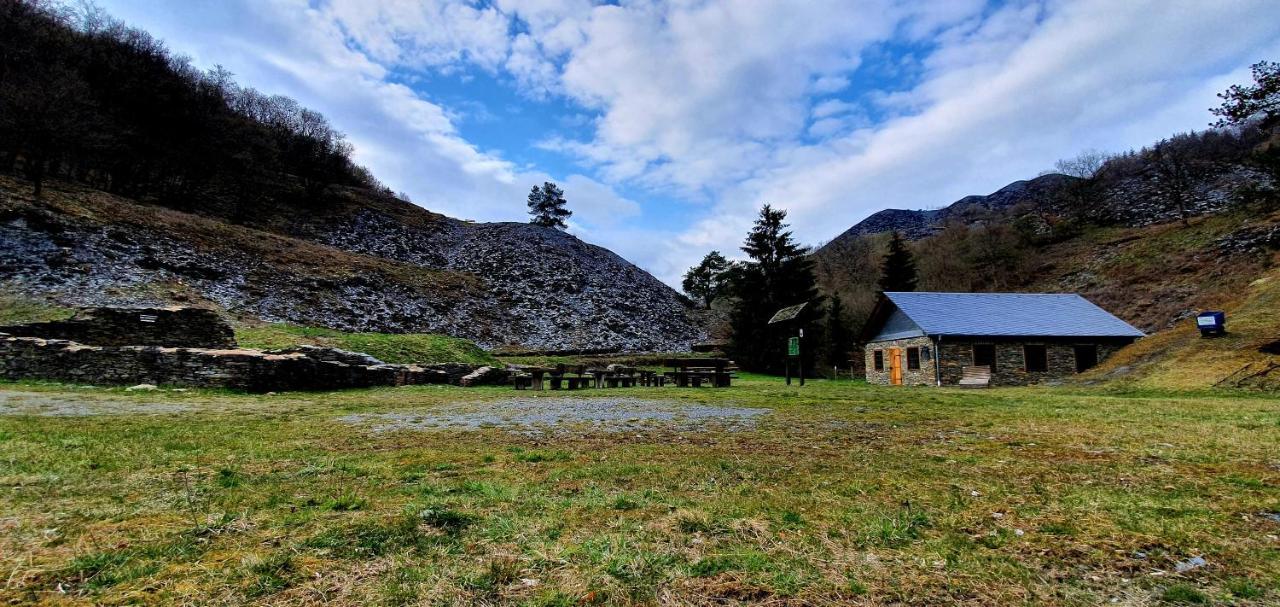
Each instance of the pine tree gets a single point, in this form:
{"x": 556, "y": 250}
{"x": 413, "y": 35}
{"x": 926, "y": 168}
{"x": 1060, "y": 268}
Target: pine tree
{"x": 899, "y": 269}
{"x": 547, "y": 206}
{"x": 779, "y": 274}
{"x": 705, "y": 281}
{"x": 839, "y": 342}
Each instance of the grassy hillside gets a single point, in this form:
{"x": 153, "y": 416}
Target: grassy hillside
{"x": 388, "y": 347}
{"x": 16, "y": 310}
{"x": 1178, "y": 358}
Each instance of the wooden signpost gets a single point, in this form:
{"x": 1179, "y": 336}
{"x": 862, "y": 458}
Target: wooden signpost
{"x": 794, "y": 358}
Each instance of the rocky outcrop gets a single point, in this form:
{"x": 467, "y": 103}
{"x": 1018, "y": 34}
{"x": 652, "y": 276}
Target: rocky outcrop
{"x": 484, "y": 376}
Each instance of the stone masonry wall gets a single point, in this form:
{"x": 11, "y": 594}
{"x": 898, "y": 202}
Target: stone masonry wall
{"x": 250, "y": 370}
{"x": 169, "y": 327}
{"x": 924, "y": 376}
{"x": 1010, "y": 362}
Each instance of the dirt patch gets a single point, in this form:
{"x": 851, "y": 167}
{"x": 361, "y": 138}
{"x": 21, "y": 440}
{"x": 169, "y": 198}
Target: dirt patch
{"x": 62, "y": 405}
{"x": 550, "y": 416}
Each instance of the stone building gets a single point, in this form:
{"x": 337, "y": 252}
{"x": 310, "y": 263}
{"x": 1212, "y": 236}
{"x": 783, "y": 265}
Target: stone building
{"x": 923, "y": 338}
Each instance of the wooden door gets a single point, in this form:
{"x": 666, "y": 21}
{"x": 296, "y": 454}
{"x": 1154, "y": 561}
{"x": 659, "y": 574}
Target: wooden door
{"x": 895, "y": 367}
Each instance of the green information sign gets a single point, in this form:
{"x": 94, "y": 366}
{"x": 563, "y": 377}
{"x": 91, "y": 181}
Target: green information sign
{"x": 793, "y": 346}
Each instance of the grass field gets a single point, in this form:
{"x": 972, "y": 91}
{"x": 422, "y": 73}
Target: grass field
{"x": 388, "y": 347}
{"x": 840, "y": 493}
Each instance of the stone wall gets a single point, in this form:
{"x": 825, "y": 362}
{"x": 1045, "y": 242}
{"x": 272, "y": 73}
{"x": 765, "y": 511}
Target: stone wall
{"x": 924, "y": 376}
{"x": 1011, "y": 363}
{"x": 169, "y": 327}
{"x": 250, "y": 370}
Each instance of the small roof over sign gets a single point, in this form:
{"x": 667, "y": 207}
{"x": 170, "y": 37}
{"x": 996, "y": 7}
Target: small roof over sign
{"x": 788, "y": 313}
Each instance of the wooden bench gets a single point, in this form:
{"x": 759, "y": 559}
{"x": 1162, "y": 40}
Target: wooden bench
{"x": 560, "y": 377}
{"x": 531, "y": 378}
{"x": 716, "y": 372}
{"x": 978, "y": 376}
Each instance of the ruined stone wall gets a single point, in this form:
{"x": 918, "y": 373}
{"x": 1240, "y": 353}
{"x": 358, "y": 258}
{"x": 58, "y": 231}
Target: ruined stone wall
{"x": 169, "y": 327}
{"x": 250, "y": 370}
{"x": 924, "y": 376}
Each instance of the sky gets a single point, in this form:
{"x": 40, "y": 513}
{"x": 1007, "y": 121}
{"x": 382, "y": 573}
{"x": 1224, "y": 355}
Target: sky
{"x": 668, "y": 123}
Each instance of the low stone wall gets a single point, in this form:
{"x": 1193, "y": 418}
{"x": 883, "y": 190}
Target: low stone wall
{"x": 250, "y": 370}
{"x": 169, "y": 327}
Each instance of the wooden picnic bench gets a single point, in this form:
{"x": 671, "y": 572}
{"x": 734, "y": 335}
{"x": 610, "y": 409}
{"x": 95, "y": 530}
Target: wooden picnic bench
{"x": 686, "y": 372}
{"x": 573, "y": 377}
{"x": 531, "y": 378}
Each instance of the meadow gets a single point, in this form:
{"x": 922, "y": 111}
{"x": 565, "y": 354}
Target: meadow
{"x": 836, "y": 493}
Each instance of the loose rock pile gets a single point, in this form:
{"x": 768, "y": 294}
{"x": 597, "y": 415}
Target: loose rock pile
{"x": 368, "y": 267}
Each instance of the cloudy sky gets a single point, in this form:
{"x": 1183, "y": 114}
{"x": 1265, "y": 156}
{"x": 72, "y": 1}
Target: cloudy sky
{"x": 669, "y": 123}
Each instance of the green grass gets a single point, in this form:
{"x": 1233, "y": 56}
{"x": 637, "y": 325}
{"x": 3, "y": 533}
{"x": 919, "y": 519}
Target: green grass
{"x": 844, "y": 494}
{"x": 388, "y": 347}
{"x": 18, "y": 310}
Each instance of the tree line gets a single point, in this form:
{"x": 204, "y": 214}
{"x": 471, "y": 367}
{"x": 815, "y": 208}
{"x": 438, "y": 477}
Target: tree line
{"x": 85, "y": 98}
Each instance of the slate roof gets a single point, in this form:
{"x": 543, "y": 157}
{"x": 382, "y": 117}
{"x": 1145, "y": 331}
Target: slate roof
{"x": 1010, "y": 315}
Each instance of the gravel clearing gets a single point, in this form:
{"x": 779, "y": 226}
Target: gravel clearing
{"x": 554, "y": 415}
{"x": 61, "y": 405}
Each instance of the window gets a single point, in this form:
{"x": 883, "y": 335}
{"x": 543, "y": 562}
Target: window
{"x": 1086, "y": 357}
{"x": 984, "y": 355}
{"x": 913, "y": 359}
{"x": 1037, "y": 358}
{"x": 878, "y": 360}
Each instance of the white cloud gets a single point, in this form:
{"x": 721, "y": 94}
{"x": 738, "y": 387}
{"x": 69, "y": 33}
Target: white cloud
{"x": 725, "y": 104}
{"x": 422, "y": 33}
{"x": 1003, "y": 97}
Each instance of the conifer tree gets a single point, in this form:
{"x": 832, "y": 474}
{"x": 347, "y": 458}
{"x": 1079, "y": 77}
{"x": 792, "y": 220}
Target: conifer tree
{"x": 779, "y": 274}
{"x": 899, "y": 270}
{"x": 839, "y": 342}
{"x": 547, "y": 206}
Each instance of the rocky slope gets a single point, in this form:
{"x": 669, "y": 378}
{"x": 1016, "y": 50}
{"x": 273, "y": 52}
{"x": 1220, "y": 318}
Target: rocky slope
{"x": 360, "y": 263}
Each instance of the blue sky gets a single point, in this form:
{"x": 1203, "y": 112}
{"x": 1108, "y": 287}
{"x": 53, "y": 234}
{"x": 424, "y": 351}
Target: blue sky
{"x": 669, "y": 123}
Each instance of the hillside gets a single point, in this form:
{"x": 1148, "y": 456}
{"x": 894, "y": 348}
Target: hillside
{"x": 145, "y": 180}
{"x": 364, "y": 262}
{"x": 1248, "y": 356}
{"x": 1120, "y": 238}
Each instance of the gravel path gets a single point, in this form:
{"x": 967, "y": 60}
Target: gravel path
{"x": 556, "y": 415}
{"x": 65, "y": 405}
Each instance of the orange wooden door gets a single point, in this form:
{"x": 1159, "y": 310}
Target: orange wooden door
{"x": 895, "y": 367}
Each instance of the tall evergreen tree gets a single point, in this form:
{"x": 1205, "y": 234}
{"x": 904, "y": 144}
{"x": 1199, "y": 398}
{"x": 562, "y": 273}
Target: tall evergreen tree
{"x": 547, "y": 206}
{"x": 839, "y": 342}
{"x": 899, "y": 270}
{"x": 705, "y": 281}
{"x": 779, "y": 274}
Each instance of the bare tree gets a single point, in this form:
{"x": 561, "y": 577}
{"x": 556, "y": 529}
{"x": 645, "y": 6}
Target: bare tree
{"x": 1086, "y": 165}
{"x": 1175, "y": 170}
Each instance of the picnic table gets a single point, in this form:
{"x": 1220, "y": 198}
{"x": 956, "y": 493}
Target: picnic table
{"x": 573, "y": 377}
{"x": 716, "y": 372}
